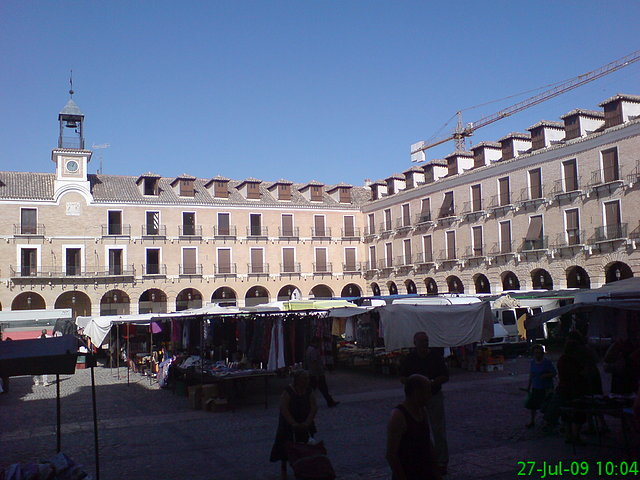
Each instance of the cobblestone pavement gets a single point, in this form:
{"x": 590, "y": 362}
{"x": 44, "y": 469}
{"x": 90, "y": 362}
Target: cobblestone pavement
{"x": 149, "y": 433}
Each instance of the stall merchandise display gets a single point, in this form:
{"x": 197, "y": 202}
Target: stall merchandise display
{"x": 60, "y": 467}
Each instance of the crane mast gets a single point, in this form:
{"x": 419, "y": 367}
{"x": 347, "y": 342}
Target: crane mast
{"x": 461, "y": 132}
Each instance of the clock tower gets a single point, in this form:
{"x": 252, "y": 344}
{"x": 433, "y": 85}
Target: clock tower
{"x": 70, "y": 157}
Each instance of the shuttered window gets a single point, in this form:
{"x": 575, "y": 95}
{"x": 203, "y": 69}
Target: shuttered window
{"x": 28, "y": 262}
{"x": 73, "y": 262}
{"x": 407, "y": 251}
{"x": 372, "y": 224}
{"x": 186, "y": 188}
{"x": 478, "y": 158}
{"x": 612, "y": 213}
{"x": 389, "y": 254}
{"x": 257, "y": 265}
{"x": 406, "y": 215}
{"x": 253, "y": 191}
{"x": 613, "y": 114}
{"x": 224, "y": 223}
{"x": 287, "y": 225}
{"x": 571, "y": 127}
{"x": 255, "y": 220}
{"x": 318, "y": 223}
{"x": 28, "y": 221}
{"x": 189, "y": 261}
{"x": 452, "y": 165}
{"x": 284, "y": 192}
{"x": 573, "y": 226}
{"x": 372, "y": 257}
{"x": 425, "y": 210}
{"x": 350, "y": 259}
{"x": 535, "y": 183}
{"x": 321, "y": 259}
{"x": 534, "y": 232}
{"x": 505, "y": 237}
{"x": 570, "y": 173}
{"x": 224, "y": 260}
{"x": 345, "y": 195}
{"x": 188, "y": 223}
{"x": 446, "y": 210}
{"x": 476, "y": 198}
{"x": 451, "y": 245}
{"x": 428, "y": 248}
{"x": 610, "y": 165}
{"x": 507, "y": 150}
{"x": 387, "y": 220}
{"x": 349, "y": 226}
{"x": 288, "y": 260}
{"x": 316, "y": 194}
{"x": 503, "y": 187}
{"x": 477, "y": 241}
{"x": 220, "y": 189}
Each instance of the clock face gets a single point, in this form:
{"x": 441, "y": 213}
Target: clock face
{"x": 71, "y": 166}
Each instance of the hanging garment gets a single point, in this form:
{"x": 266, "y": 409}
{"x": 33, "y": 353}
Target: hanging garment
{"x": 349, "y": 329}
{"x": 276, "y": 350}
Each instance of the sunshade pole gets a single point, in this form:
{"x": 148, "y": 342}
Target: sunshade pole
{"x": 150, "y": 353}
{"x": 118, "y": 348}
{"x": 58, "y": 432}
{"x": 128, "y": 352}
{"x": 202, "y": 351}
{"x": 95, "y": 422}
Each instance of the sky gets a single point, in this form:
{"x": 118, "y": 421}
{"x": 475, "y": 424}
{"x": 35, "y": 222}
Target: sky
{"x": 303, "y": 90}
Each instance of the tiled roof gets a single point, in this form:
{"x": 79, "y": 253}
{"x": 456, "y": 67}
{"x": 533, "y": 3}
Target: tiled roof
{"x": 338, "y": 185}
{"x": 279, "y": 182}
{"x": 518, "y": 135}
{"x": 460, "y": 153}
{"x": 312, "y": 183}
{"x": 546, "y": 123}
{"x": 27, "y": 185}
{"x": 436, "y": 162}
{"x": 620, "y": 96}
{"x": 583, "y": 112}
{"x": 71, "y": 108}
{"x": 414, "y": 169}
{"x": 486, "y": 144}
{"x": 395, "y": 176}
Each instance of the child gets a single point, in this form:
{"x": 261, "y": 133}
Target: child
{"x": 541, "y": 374}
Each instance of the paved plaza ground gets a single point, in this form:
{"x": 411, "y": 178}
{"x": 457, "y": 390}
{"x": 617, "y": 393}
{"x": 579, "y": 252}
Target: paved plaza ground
{"x": 149, "y": 433}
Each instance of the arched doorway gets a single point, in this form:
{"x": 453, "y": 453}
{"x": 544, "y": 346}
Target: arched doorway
{"x": 320, "y": 292}
{"x": 541, "y": 279}
{"x": 617, "y": 271}
{"x": 510, "y": 281}
{"x": 577, "y": 277}
{"x": 375, "y": 289}
{"x": 78, "y": 302}
{"x": 224, "y": 296}
{"x": 432, "y": 286}
{"x": 351, "y": 290}
{"x": 188, "y": 298}
{"x": 393, "y": 288}
{"x": 482, "y": 284}
{"x": 454, "y": 284}
{"x": 411, "y": 287}
{"x": 115, "y": 302}
{"x": 256, "y": 296}
{"x": 28, "y": 301}
{"x": 286, "y": 292}
{"x": 153, "y": 300}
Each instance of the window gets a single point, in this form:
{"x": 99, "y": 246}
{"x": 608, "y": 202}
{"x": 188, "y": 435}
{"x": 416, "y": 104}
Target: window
{"x": 28, "y": 262}
{"x": 186, "y": 188}
{"x": 224, "y": 224}
{"x": 350, "y": 259}
{"x": 220, "y": 189}
{"x": 570, "y": 175}
{"x": 255, "y": 224}
{"x": 425, "y": 210}
{"x": 503, "y": 191}
{"x": 507, "y": 149}
{"x": 571, "y": 127}
{"x": 447, "y": 209}
{"x": 387, "y": 220}
{"x": 612, "y": 220}
{"x": 476, "y": 237}
{"x": 224, "y": 260}
{"x": 150, "y": 186}
{"x": 505, "y": 237}
{"x": 406, "y": 215}
{"x": 429, "y": 176}
{"x": 72, "y": 261}
{"x": 152, "y": 223}
{"x": 284, "y": 192}
{"x": 188, "y": 223}
{"x": 28, "y": 221}
{"x": 372, "y": 224}
{"x": 115, "y": 261}
{"x": 115, "y": 222}
{"x": 287, "y": 225}
{"x": 406, "y": 245}
{"x": 321, "y": 260}
{"x": 345, "y": 195}
{"x": 319, "y": 229}
{"x": 610, "y": 165}
{"x": 452, "y": 166}
{"x": 451, "y": 245}
{"x": 316, "y": 193}
{"x": 253, "y": 191}
{"x": 428, "y": 248}
{"x": 535, "y": 184}
{"x": 388, "y": 250}
{"x": 613, "y": 114}
{"x": 288, "y": 260}
{"x": 572, "y": 224}
{"x": 533, "y": 240}
{"x": 153, "y": 261}
{"x": 372, "y": 257}
{"x": 476, "y": 198}
{"x": 478, "y": 158}
{"x": 257, "y": 261}
{"x": 189, "y": 261}
{"x": 349, "y": 226}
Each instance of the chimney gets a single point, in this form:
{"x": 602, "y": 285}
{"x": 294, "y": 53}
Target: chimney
{"x": 486, "y": 152}
{"x": 545, "y": 133}
{"x": 458, "y": 162}
{"x": 579, "y": 122}
{"x": 620, "y": 109}
{"x": 515, "y": 144}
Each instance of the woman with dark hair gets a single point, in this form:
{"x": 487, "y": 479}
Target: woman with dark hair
{"x": 296, "y": 420}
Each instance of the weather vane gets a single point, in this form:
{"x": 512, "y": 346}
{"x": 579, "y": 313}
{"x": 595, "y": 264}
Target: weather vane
{"x": 71, "y": 83}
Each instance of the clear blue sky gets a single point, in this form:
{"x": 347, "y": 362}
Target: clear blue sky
{"x": 326, "y": 90}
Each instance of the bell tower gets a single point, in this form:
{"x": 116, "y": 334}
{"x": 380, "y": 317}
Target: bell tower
{"x": 70, "y": 156}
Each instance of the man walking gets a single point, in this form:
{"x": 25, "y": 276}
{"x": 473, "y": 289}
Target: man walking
{"x": 313, "y": 363}
{"x": 430, "y": 363}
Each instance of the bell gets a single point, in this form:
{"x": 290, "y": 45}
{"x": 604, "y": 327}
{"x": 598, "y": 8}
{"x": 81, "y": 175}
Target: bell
{"x": 71, "y": 124}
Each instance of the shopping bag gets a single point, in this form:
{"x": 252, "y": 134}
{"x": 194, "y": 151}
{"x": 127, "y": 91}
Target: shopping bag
{"x": 310, "y": 462}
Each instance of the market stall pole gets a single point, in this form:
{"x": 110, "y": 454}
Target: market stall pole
{"x": 91, "y": 359}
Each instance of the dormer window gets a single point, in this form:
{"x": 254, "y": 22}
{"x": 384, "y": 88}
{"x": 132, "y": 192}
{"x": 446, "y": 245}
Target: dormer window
{"x": 186, "y": 188}
{"x": 253, "y": 191}
{"x": 151, "y": 186}
{"x": 316, "y": 193}
{"x": 613, "y": 114}
{"x": 284, "y": 192}
{"x": 345, "y": 195}
{"x": 220, "y": 189}
{"x": 571, "y": 128}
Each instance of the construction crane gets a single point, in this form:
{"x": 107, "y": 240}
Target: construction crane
{"x": 462, "y": 132}
{"x": 99, "y": 147}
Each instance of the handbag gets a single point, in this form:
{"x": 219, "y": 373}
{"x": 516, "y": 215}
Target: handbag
{"x": 310, "y": 461}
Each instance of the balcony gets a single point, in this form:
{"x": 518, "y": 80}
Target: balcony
{"x": 605, "y": 181}
{"x": 609, "y": 233}
{"x": 404, "y": 262}
{"x": 447, "y": 218}
{"x": 501, "y": 204}
{"x": 422, "y": 260}
{"x": 24, "y": 230}
{"x": 569, "y": 242}
{"x": 190, "y": 231}
{"x": 423, "y": 220}
{"x": 352, "y": 268}
{"x": 474, "y": 253}
{"x": 225, "y": 232}
{"x": 257, "y": 233}
{"x": 321, "y": 233}
{"x": 529, "y": 199}
{"x": 292, "y": 233}
{"x": 386, "y": 228}
{"x": 448, "y": 256}
{"x": 537, "y": 245}
{"x": 502, "y": 249}
{"x": 71, "y": 274}
{"x": 290, "y": 269}
{"x": 116, "y": 230}
{"x": 225, "y": 270}
{"x": 154, "y": 270}
{"x": 258, "y": 269}
{"x": 385, "y": 264}
{"x": 403, "y": 225}
{"x": 563, "y": 190}
{"x": 322, "y": 268}
{"x": 369, "y": 234}
{"x": 472, "y": 212}
{"x": 351, "y": 234}
{"x": 154, "y": 231}
{"x": 190, "y": 270}
{"x": 634, "y": 177}
{"x": 370, "y": 266}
